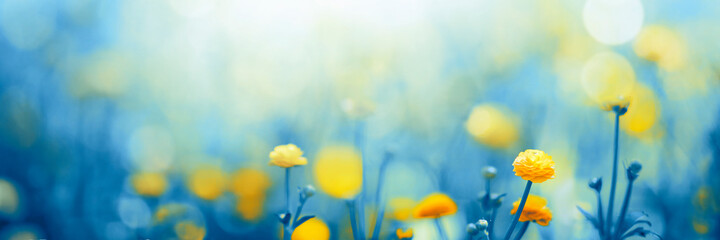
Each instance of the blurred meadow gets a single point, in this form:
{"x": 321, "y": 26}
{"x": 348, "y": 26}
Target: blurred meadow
{"x": 171, "y": 119}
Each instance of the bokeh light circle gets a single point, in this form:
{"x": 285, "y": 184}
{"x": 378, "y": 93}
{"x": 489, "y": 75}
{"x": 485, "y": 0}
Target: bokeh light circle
{"x": 608, "y": 76}
{"x": 613, "y": 22}
{"x": 27, "y": 24}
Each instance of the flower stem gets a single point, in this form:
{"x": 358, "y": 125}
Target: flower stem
{"x": 614, "y": 175}
{"x": 519, "y": 211}
{"x": 296, "y": 217}
{"x": 287, "y": 227}
{"x": 492, "y": 223}
{"x": 623, "y": 209}
{"x": 380, "y": 213}
{"x": 439, "y": 227}
{"x": 522, "y": 230}
{"x": 353, "y": 220}
{"x": 601, "y": 227}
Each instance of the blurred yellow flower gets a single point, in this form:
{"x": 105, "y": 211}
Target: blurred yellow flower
{"x": 249, "y": 182}
{"x": 662, "y": 45}
{"x": 491, "y": 126}
{"x": 207, "y": 183}
{"x": 407, "y": 234}
{"x": 700, "y": 227}
{"x": 287, "y": 156}
{"x": 250, "y": 208}
{"x": 313, "y": 229}
{"x": 534, "y": 165}
{"x": 435, "y": 205}
{"x": 643, "y": 112}
{"x": 149, "y": 183}
{"x": 535, "y": 210}
{"x": 338, "y": 171}
{"x": 401, "y": 208}
{"x": 607, "y": 77}
{"x": 167, "y": 211}
{"x": 620, "y": 101}
{"x": 187, "y": 230}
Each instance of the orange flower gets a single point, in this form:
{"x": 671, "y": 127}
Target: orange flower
{"x": 535, "y": 210}
{"x": 534, "y": 165}
{"x": 407, "y": 234}
{"x": 434, "y": 206}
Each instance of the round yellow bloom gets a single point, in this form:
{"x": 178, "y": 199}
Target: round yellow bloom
{"x": 149, "y": 183}
{"x": 249, "y": 182}
{"x": 662, "y": 45}
{"x": 287, "y": 156}
{"x": 643, "y": 112}
{"x": 607, "y": 76}
{"x": 313, "y": 229}
{"x": 534, "y": 165}
{"x": 207, "y": 183}
{"x": 489, "y": 125}
{"x": 250, "y": 208}
{"x": 407, "y": 234}
{"x": 535, "y": 210}
{"x": 338, "y": 171}
{"x": 435, "y": 205}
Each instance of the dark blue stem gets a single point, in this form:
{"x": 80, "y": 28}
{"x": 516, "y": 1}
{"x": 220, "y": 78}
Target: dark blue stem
{"x": 519, "y": 211}
{"x": 623, "y": 209}
{"x": 601, "y": 220}
{"x": 522, "y": 231}
{"x": 353, "y": 220}
{"x": 614, "y": 175}
{"x": 378, "y": 194}
{"x": 287, "y": 227}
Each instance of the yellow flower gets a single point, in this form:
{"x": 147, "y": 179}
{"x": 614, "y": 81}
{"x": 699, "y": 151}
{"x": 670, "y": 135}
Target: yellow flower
{"x": 401, "y": 208}
{"x": 287, "y": 156}
{"x": 535, "y": 210}
{"x": 407, "y": 234}
{"x": 313, "y": 229}
{"x": 148, "y": 183}
{"x": 250, "y": 208}
{"x": 435, "y": 205}
{"x": 207, "y": 183}
{"x": 187, "y": 230}
{"x": 620, "y": 101}
{"x": 534, "y": 165}
{"x": 662, "y": 45}
{"x": 489, "y": 125}
{"x": 338, "y": 171}
{"x": 643, "y": 112}
{"x": 249, "y": 182}
{"x": 608, "y": 76}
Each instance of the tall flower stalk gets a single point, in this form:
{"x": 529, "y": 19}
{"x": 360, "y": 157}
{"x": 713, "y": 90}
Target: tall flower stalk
{"x": 619, "y": 111}
{"x": 536, "y": 167}
{"x": 288, "y": 156}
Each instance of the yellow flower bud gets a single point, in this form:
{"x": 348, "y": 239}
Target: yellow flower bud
{"x": 407, "y": 234}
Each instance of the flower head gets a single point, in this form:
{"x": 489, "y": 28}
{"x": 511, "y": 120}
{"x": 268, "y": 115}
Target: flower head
{"x": 595, "y": 183}
{"x": 286, "y": 156}
{"x": 407, "y": 234}
{"x": 149, "y": 184}
{"x": 534, "y": 165}
{"x": 313, "y": 229}
{"x": 434, "y": 206}
{"x": 633, "y": 170}
{"x": 492, "y": 126}
{"x": 619, "y": 104}
{"x": 535, "y": 210}
{"x": 338, "y": 171}
{"x": 489, "y": 172}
